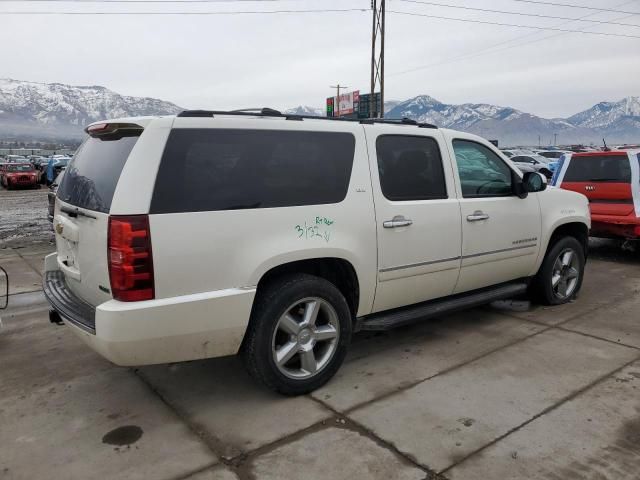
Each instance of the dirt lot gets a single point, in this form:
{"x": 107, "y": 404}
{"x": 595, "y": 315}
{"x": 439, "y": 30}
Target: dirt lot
{"x": 23, "y": 215}
{"x": 511, "y": 391}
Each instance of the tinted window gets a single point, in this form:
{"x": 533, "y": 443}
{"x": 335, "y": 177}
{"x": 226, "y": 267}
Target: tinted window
{"x": 220, "y": 169}
{"x": 410, "y": 168}
{"x": 482, "y": 172}
{"x": 93, "y": 173}
{"x": 599, "y": 168}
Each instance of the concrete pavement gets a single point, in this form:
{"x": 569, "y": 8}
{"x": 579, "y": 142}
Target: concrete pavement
{"x": 505, "y": 392}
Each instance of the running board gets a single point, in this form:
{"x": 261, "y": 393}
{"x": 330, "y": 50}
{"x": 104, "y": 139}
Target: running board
{"x": 434, "y": 308}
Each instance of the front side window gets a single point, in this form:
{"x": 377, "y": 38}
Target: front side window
{"x": 228, "y": 169}
{"x": 482, "y": 173}
{"x": 410, "y": 168}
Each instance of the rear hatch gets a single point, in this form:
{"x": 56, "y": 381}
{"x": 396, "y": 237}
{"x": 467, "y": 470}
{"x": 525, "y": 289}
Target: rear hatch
{"x": 605, "y": 179}
{"x": 83, "y": 203}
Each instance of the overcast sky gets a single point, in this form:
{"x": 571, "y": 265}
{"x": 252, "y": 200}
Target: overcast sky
{"x": 284, "y": 60}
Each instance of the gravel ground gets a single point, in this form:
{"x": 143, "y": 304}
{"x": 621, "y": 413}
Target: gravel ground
{"x": 23, "y": 218}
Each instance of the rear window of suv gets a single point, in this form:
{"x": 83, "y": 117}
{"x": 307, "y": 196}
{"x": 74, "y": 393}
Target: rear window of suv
{"x": 599, "y": 168}
{"x": 229, "y": 169}
{"x": 91, "y": 177}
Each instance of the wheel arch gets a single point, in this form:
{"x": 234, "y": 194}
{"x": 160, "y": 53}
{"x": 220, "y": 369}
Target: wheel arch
{"x": 573, "y": 228}
{"x": 338, "y": 271}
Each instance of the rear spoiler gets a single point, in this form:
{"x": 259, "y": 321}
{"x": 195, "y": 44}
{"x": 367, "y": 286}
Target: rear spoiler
{"x": 118, "y": 130}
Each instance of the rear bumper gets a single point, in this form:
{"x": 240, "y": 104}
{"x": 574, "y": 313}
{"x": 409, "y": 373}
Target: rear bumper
{"x": 609, "y": 226}
{"x": 189, "y": 327}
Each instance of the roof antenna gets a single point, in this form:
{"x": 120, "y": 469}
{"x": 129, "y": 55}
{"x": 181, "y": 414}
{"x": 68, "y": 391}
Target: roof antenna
{"x": 605, "y": 149}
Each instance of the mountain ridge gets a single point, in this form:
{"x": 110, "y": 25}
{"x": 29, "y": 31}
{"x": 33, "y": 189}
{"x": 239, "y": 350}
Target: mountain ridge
{"x": 55, "y": 110}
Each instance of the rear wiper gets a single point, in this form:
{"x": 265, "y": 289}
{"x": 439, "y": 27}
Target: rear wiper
{"x": 74, "y": 212}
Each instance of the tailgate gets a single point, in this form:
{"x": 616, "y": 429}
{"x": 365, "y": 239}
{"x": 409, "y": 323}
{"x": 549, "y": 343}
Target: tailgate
{"x": 81, "y": 216}
{"x": 605, "y": 198}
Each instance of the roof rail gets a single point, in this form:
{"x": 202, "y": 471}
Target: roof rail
{"x": 394, "y": 121}
{"x": 270, "y": 112}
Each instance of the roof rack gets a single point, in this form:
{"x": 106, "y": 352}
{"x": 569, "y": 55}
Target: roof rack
{"x": 270, "y": 112}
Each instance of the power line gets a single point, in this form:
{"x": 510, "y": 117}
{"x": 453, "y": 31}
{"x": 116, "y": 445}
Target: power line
{"x": 246, "y": 12}
{"x": 487, "y": 10}
{"x": 486, "y": 22}
{"x": 569, "y": 5}
{"x": 138, "y": 1}
{"x": 490, "y": 49}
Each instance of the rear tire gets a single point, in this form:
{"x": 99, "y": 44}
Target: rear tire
{"x": 560, "y": 276}
{"x": 298, "y": 334}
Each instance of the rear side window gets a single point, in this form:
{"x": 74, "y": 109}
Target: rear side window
{"x": 225, "y": 169}
{"x": 599, "y": 168}
{"x": 92, "y": 175}
{"x": 410, "y": 168}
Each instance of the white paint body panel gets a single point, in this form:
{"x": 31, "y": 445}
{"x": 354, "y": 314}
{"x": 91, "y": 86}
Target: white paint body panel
{"x": 422, "y": 261}
{"x": 207, "y": 265}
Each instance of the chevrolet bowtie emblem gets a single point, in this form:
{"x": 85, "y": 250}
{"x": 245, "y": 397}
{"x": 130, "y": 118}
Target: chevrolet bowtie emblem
{"x": 59, "y": 228}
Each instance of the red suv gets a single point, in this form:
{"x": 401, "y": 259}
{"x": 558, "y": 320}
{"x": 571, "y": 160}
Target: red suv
{"x": 611, "y": 182}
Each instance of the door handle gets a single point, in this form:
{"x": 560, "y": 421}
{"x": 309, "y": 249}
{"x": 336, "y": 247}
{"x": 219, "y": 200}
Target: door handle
{"x": 477, "y": 216}
{"x": 397, "y": 221}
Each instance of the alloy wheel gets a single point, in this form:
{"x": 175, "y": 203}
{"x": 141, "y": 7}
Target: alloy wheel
{"x": 305, "y": 338}
{"x": 565, "y": 273}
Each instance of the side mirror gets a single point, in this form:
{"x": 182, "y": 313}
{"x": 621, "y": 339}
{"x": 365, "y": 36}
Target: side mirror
{"x": 534, "y": 182}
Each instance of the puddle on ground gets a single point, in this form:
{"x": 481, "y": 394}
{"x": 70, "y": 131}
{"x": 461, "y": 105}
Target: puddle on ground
{"x": 123, "y": 436}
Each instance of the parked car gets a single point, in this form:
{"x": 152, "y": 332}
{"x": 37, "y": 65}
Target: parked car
{"x": 537, "y": 162}
{"x": 277, "y": 236}
{"x": 16, "y": 159}
{"x": 19, "y": 175}
{"x": 611, "y": 182}
{"x": 553, "y": 156}
{"x": 51, "y": 195}
{"x": 513, "y": 152}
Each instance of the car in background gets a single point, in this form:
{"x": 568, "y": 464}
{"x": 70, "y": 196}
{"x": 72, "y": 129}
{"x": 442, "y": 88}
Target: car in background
{"x": 537, "y": 162}
{"x": 512, "y": 152}
{"x": 16, "y": 159}
{"x": 553, "y": 156}
{"x": 19, "y": 175}
{"x": 611, "y": 182}
{"x": 51, "y": 195}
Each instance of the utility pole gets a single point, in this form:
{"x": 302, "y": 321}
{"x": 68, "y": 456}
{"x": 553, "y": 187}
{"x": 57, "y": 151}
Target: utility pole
{"x": 377, "y": 55}
{"x": 338, "y": 87}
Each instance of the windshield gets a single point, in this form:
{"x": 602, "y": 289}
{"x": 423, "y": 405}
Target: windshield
{"x": 19, "y": 168}
{"x": 93, "y": 174}
{"x": 599, "y": 168}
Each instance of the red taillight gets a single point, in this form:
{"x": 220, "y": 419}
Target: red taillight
{"x": 130, "y": 258}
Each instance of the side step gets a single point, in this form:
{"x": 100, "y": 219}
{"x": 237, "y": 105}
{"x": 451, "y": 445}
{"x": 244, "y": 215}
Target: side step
{"x": 421, "y": 311}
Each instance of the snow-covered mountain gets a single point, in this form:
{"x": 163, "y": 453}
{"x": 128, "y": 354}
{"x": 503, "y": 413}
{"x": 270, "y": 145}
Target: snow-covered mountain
{"x": 605, "y": 114}
{"x": 506, "y": 124}
{"x": 306, "y": 110}
{"x": 54, "y": 110}
{"x": 41, "y": 111}
{"x": 618, "y": 122}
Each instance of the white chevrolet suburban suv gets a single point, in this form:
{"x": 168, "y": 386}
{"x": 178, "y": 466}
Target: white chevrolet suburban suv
{"x": 277, "y": 236}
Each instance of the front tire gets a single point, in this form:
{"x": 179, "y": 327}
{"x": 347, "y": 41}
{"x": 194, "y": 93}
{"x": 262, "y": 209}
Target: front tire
{"x": 560, "y": 276}
{"x": 298, "y": 334}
